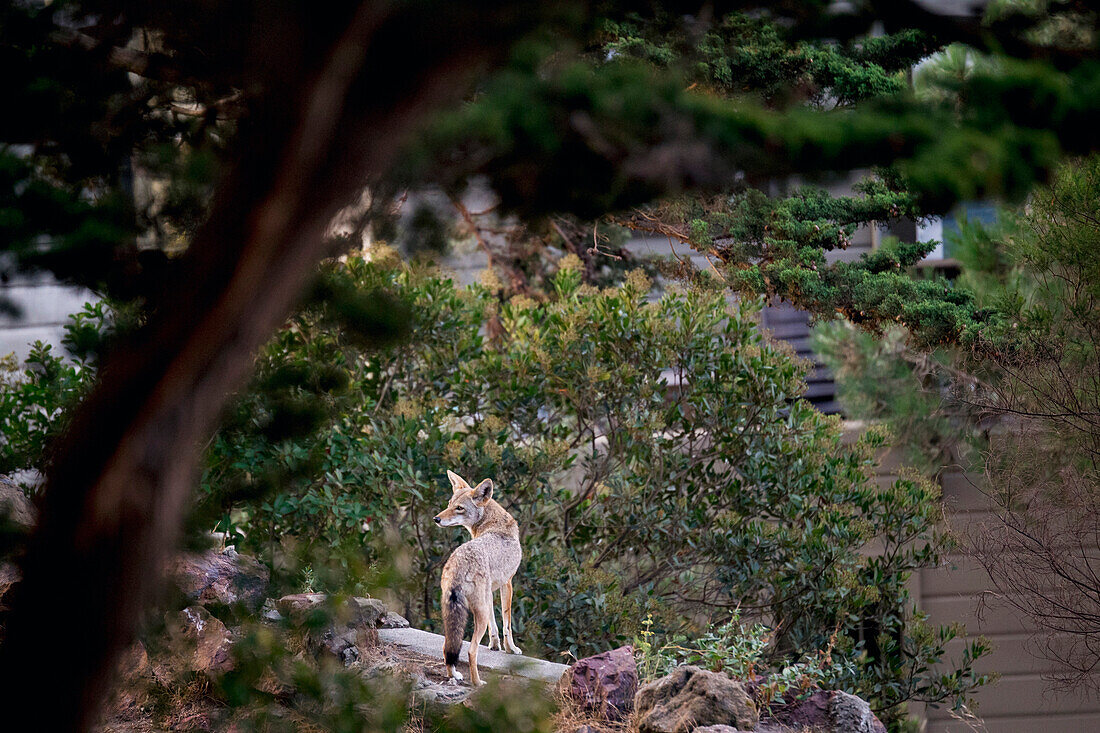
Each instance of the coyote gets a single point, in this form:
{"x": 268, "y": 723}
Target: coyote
{"x": 475, "y": 570}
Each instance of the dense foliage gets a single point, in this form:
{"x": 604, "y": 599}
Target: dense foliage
{"x": 37, "y": 395}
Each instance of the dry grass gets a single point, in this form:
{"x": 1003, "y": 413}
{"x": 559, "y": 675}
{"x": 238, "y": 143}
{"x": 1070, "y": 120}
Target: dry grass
{"x": 415, "y": 723}
{"x": 571, "y": 716}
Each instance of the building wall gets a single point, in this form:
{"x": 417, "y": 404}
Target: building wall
{"x": 44, "y": 305}
{"x": 1023, "y": 699}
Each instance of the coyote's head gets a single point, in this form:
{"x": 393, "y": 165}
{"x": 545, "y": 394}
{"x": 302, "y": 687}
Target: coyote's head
{"x": 467, "y": 506}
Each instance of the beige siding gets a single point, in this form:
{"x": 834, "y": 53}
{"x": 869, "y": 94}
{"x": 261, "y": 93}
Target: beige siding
{"x": 1023, "y": 699}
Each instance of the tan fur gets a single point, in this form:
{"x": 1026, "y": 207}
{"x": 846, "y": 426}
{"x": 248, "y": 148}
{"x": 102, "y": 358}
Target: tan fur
{"x": 475, "y": 570}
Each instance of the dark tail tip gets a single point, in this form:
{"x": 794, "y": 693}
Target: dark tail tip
{"x": 450, "y": 657}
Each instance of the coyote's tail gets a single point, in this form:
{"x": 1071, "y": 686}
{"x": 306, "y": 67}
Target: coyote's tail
{"x": 455, "y": 611}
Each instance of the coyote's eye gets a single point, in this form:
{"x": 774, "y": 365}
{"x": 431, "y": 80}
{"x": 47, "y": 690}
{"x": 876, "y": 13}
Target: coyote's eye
{"x": 459, "y": 510}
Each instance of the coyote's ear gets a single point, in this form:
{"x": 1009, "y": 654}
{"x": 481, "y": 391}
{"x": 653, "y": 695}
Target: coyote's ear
{"x": 457, "y": 482}
{"x": 484, "y": 491}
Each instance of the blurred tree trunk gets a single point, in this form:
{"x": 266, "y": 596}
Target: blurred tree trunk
{"x": 120, "y": 481}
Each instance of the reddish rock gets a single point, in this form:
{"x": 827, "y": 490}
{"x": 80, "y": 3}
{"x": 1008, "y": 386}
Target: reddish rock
{"x": 225, "y": 578}
{"x": 811, "y": 712}
{"x": 605, "y": 684}
{"x": 134, "y": 663}
{"x": 828, "y": 710}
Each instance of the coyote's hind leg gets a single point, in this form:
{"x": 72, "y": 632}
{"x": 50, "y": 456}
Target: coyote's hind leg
{"x": 506, "y": 618}
{"x": 483, "y": 611}
{"x": 494, "y": 635}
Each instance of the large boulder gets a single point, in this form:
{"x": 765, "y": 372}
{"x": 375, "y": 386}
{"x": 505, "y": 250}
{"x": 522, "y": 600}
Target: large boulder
{"x": 690, "y": 698}
{"x": 225, "y": 578}
{"x": 604, "y": 684}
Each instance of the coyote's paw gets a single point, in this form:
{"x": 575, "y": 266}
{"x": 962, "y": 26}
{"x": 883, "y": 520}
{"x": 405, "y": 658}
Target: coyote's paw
{"x": 494, "y": 643}
{"x": 455, "y": 677}
{"x": 512, "y": 647}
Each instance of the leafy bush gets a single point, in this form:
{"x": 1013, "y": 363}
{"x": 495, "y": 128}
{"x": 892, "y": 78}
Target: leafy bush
{"x": 35, "y": 397}
{"x": 740, "y": 651}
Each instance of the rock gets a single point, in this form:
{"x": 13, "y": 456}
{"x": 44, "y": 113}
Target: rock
{"x": 9, "y": 578}
{"x": 342, "y": 644}
{"x": 15, "y": 504}
{"x": 134, "y": 663}
{"x": 716, "y": 729}
{"x": 811, "y": 712}
{"x": 352, "y": 627}
{"x": 225, "y": 578}
{"x": 391, "y": 620}
{"x": 690, "y": 697}
{"x": 356, "y": 612}
{"x": 366, "y": 611}
{"x": 269, "y": 612}
{"x": 825, "y": 710}
{"x": 430, "y": 695}
{"x": 298, "y": 606}
{"x": 586, "y": 729}
{"x": 604, "y": 684}
{"x": 198, "y": 642}
{"x": 851, "y": 714}
{"x": 131, "y": 689}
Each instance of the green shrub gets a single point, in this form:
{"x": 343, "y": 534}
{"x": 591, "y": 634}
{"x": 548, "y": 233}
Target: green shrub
{"x": 740, "y": 650}
{"x": 37, "y": 395}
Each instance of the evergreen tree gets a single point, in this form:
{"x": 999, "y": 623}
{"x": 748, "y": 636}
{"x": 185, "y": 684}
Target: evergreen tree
{"x": 1020, "y": 401}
